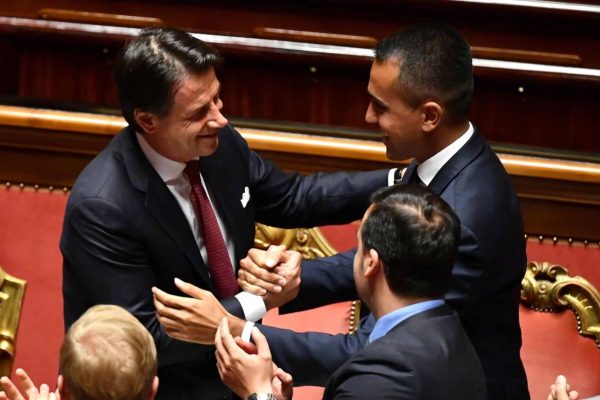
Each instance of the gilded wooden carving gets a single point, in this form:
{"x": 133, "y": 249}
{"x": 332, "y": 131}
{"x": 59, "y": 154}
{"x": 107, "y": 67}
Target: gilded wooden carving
{"x": 310, "y": 243}
{"x": 548, "y": 287}
{"x": 11, "y": 299}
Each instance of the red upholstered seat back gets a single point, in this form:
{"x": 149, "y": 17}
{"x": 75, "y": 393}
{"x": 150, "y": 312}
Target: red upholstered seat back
{"x": 30, "y": 227}
{"x": 551, "y": 343}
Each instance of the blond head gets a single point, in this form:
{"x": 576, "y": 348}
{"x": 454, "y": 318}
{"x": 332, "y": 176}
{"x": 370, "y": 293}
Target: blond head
{"x": 107, "y": 354}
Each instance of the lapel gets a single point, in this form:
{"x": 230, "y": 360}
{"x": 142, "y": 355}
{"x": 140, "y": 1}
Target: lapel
{"x": 457, "y": 163}
{"x": 161, "y": 204}
{"x": 410, "y": 170}
{"x": 226, "y": 194}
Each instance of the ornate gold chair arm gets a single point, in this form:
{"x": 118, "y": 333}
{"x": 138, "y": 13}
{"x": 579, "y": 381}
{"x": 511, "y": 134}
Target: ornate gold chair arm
{"x": 549, "y": 288}
{"x": 310, "y": 243}
{"x": 11, "y": 300}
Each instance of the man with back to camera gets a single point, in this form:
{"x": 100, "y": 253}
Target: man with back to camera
{"x": 177, "y": 194}
{"x": 421, "y": 86}
{"x": 106, "y": 355}
{"x": 418, "y": 349}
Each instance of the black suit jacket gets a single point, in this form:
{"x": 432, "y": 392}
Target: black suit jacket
{"x": 427, "y": 356}
{"x": 484, "y": 290}
{"x": 124, "y": 232}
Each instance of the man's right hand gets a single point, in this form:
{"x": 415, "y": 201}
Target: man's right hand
{"x": 273, "y": 274}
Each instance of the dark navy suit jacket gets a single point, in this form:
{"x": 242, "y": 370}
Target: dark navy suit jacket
{"x": 427, "y": 356}
{"x": 484, "y": 290}
{"x": 124, "y": 232}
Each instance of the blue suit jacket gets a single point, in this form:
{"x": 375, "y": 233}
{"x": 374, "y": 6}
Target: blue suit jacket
{"x": 124, "y": 232}
{"x": 427, "y": 356}
{"x": 484, "y": 290}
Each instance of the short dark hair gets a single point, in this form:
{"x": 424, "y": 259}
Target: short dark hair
{"x": 150, "y": 68}
{"x": 416, "y": 235}
{"x": 436, "y": 64}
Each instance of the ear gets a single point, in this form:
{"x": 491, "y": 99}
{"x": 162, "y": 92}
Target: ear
{"x": 372, "y": 264}
{"x": 153, "y": 389}
{"x": 147, "y": 121}
{"x": 432, "y": 115}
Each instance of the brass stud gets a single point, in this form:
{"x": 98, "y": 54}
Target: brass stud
{"x": 541, "y": 238}
{"x": 36, "y": 187}
{"x": 555, "y": 239}
{"x": 65, "y": 189}
{"x": 526, "y": 236}
{"x": 570, "y": 240}
{"x": 7, "y": 184}
{"x": 585, "y": 242}
{"x": 22, "y": 185}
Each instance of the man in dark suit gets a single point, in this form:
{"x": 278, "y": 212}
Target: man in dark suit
{"x": 417, "y": 349}
{"x": 177, "y": 194}
{"x": 421, "y": 87}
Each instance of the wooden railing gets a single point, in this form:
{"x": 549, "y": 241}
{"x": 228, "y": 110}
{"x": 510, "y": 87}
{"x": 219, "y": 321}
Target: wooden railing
{"x": 45, "y": 147}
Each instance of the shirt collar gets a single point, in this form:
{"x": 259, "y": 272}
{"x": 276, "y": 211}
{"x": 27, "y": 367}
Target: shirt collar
{"x": 430, "y": 167}
{"x": 168, "y": 169}
{"x": 390, "y": 320}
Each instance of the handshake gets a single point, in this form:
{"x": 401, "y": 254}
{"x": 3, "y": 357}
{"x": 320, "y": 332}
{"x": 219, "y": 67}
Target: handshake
{"x": 273, "y": 274}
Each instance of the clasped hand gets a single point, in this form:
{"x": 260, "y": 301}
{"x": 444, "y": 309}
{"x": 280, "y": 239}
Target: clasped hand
{"x": 247, "y": 368}
{"x": 273, "y": 274}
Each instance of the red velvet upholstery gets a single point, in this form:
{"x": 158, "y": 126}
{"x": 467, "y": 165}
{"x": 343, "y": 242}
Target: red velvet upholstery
{"x": 31, "y": 224}
{"x": 551, "y": 343}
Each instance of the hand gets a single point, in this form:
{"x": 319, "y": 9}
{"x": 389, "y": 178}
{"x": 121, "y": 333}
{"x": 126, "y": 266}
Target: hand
{"x": 560, "y": 390}
{"x": 11, "y": 392}
{"x": 283, "y": 384}
{"x": 287, "y": 267}
{"x": 290, "y": 270}
{"x": 194, "y": 319}
{"x": 242, "y": 372}
{"x": 256, "y": 274}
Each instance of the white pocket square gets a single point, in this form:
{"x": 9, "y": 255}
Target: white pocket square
{"x": 245, "y": 197}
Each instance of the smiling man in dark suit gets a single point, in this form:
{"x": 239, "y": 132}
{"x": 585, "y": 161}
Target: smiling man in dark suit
{"x": 421, "y": 86}
{"x": 177, "y": 194}
{"x": 418, "y": 349}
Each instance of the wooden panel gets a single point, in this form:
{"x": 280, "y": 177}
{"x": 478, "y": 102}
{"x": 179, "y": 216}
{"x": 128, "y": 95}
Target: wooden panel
{"x": 58, "y": 14}
{"x": 558, "y": 197}
{"x": 543, "y": 26}
{"x": 528, "y": 104}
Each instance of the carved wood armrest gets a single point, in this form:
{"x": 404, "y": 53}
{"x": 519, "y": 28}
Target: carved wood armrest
{"x": 11, "y": 300}
{"x": 548, "y": 287}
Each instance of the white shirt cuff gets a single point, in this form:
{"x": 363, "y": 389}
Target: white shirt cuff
{"x": 247, "y": 331}
{"x": 391, "y": 176}
{"x": 253, "y": 306}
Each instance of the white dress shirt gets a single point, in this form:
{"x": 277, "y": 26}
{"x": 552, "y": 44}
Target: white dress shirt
{"x": 171, "y": 172}
{"x": 430, "y": 167}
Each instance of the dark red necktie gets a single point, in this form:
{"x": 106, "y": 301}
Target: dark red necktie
{"x": 219, "y": 263}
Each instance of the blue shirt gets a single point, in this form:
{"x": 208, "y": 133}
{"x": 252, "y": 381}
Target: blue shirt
{"x": 390, "y": 320}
